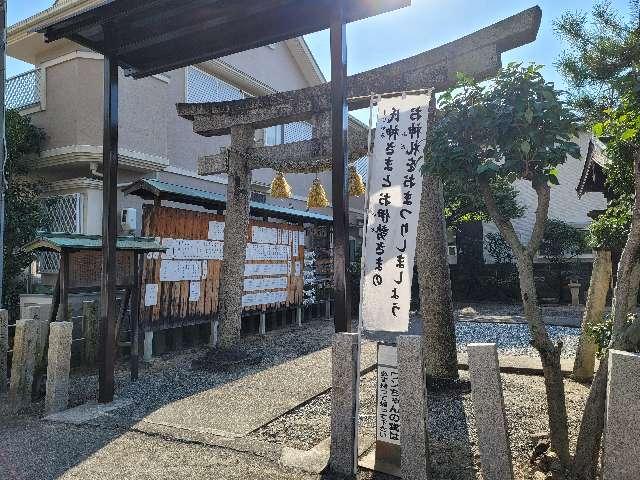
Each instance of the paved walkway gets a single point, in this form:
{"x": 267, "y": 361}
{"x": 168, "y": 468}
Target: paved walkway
{"x": 233, "y": 409}
{"x": 238, "y": 408}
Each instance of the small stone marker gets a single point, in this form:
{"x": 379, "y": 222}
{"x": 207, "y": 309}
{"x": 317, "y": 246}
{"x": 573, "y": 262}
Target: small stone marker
{"x": 263, "y": 323}
{"x": 4, "y": 349}
{"x": 488, "y": 408}
{"x": 147, "y": 347}
{"x": 58, "y": 366}
{"x": 299, "y": 316}
{"x": 23, "y": 363}
{"x": 621, "y": 460}
{"x": 345, "y": 378}
{"x": 413, "y": 413}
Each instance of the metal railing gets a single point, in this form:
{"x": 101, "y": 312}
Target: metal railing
{"x": 23, "y": 91}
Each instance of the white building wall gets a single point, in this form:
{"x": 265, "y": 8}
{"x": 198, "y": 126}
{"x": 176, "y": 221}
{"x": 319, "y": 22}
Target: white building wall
{"x": 564, "y": 205}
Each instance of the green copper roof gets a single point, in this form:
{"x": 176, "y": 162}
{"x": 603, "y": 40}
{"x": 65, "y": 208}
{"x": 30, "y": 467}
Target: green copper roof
{"x": 75, "y": 241}
{"x": 150, "y": 189}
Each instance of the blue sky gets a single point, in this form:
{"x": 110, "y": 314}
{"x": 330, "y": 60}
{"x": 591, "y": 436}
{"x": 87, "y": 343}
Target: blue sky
{"x": 424, "y": 25}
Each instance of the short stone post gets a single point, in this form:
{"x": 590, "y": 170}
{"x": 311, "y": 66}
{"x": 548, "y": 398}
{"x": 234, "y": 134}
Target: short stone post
{"x": 4, "y": 349}
{"x": 575, "y": 293}
{"x": 147, "y": 347}
{"x": 213, "y": 339}
{"x": 488, "y": 407}
{"x": 58, "y": 366}
{"x": 414, "y": 437}
{"x": 299, "y": 316}
{"x": 263, "y": 323}
{"x": 23, "y": 363}
{"x": 345, "y": 378}
{"x": 327, "y": 309}
{"x": 621, "y": 460}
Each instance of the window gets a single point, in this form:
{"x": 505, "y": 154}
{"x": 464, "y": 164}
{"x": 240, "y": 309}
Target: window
{"x": 288, "y": 133}
{"x": 63, "y": 214}
{"x": 201, "y": 86}
{"x": 258, "y": 197}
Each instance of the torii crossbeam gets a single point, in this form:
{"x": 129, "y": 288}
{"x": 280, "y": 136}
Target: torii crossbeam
{"x": 477, "y": 55}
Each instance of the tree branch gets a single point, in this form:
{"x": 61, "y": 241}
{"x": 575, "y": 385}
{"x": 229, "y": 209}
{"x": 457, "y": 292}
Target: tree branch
{"x": 543, "y": 191}
{"x": 504, "y": 225}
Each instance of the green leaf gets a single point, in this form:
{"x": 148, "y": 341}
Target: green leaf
{"x": 553, "y": 179}
{"x": 528, "y": 115}
{"x": 598, "y": 129}
{"x": 628, "y": 134}
{"x": 525, "y": 147}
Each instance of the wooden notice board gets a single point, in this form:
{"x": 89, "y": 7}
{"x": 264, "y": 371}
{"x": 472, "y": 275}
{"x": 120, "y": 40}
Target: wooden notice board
{"x": 180, "y": 286}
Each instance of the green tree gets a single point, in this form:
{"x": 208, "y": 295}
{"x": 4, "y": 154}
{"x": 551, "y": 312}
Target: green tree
{"x": 600, "y": 63}
{"x": 514, "y": 128}
{"x": 22, "y": 203}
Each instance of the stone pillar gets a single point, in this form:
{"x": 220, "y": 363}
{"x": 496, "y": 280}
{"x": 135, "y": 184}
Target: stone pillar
{"x": 147, "y": 347}
{"x": 58, "y": 366}
{"x": 263, "y": 323}
{"x": 621, "y": 460}
{"x": 345, "y": 378}
{"x": 584, "y": 364}
{"x": 235, "y": 236}
{"x": 299, "y": 316}
{"x": 33, "y": 312}
{"x": 23, "y": 363}
{"x": 4, "y": 349}
{"x": 436, "y": 305}
{"x": 574, "y": 287}
{"x": 488, "y": 408}
{"x": 327, "y": 309}
{"x": 214, "y": 337}
{"x": 414, "y": 436}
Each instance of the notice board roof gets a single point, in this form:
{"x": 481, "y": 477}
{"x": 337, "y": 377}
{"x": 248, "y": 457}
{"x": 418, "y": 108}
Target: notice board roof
{"x": 150, "y": 189}
{"x": 57, "y": 242}
{"x": 154, "y": 36}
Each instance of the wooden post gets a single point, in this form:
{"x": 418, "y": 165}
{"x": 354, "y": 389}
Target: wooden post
{"x": 63, "y": 275}
{"x": 108, "y": 308}
{"x": 339, "y": 193}
{"x": 135, "y": 318}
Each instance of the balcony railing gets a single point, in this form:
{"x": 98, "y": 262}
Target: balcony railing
{"x": 23, "y": 91}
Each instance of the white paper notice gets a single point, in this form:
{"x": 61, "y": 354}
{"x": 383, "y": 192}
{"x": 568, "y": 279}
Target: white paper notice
{"x": 150, "y": 294}
{"x": 265, "y": 269}
{"x": 178, "y": 270}
{"x": 194, "y": 291}
{"x": 394, "y": 188}
{"x": 216, "y": 231}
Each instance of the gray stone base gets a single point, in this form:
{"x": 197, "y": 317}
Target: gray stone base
{"x": 87, "y": 412}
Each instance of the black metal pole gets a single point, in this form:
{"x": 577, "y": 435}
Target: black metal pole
{"x": 339, "y": 191}
{"x": 108, "y": 308}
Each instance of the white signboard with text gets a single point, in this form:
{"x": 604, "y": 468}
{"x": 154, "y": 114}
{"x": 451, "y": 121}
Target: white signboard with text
{"x": 388, "y": 396}
{"x": 394, "y": 193}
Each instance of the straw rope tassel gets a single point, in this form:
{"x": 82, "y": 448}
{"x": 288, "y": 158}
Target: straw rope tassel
{"x": 317, "y": 196}
{"x": 356, "y": 185}
{"x": 279, "y": 187}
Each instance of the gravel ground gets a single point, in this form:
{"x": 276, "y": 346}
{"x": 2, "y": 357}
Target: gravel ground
{"x": 513, "y": 338}
{"x": 453, "y": 440}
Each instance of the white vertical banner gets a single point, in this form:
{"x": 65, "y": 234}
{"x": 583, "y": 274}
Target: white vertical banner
{"x": 394, "y": 192}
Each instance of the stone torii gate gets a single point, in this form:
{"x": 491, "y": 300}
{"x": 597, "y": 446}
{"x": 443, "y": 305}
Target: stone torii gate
{"x": 477, "y": 55}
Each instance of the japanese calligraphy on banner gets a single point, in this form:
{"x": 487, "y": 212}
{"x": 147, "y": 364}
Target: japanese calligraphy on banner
{"x": 394, "y": 192}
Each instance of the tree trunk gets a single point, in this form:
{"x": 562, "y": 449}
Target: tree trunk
{"x": 592, "y": 424}
{"x": 436, "y": 306}
{"x": 584, "y": 363}
{"x": 632, "y": 299}
{"x": 236, "y": 226}
{"x": 550, "y": 358}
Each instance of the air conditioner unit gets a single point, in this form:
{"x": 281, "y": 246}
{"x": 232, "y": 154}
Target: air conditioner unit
{"x": 129, "y": 220}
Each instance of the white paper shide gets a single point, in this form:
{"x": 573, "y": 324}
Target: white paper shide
{"x": 394, "y": 192}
